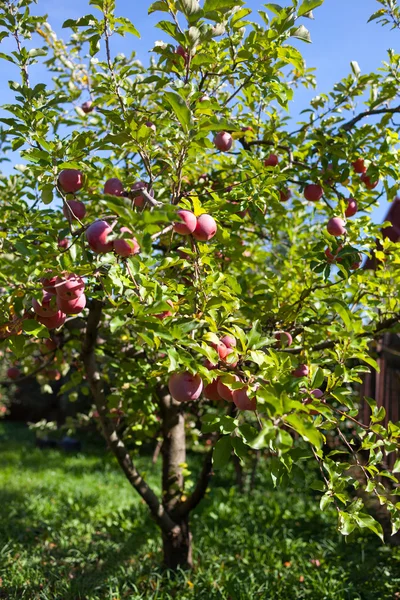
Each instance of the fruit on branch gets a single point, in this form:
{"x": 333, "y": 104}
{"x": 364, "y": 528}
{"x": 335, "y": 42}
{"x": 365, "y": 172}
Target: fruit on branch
{"x": 224, "y": 391}
{"x": 229, "y": 341}
{"x": 113, "y": 187}
{"x": 126, "y": 247}
{"x": 187, "y": 222}
{"x": 63, "y": 244}
{"x": 87, "y": 107}
{"x": 139, "y": 200}
{"x": 313, "y": 192}
{"x": 231, "y": 364}
{"x": 366, "y": 179}
{"x": 185, "y": 387}
{"x": 284, "y": 338}
{"x": 166, "y": 313}
{"x": 284, "y": 195}
{"x": 13, "y": 373}
{"x": 71, "y": 306}
{"x": 182, "y": 52}
{"x": 242, "y": 400}
{"x": 48, "y": 284}
{"x": 351, "y": 208}
{"x": 70, "y": 180}
{"x": 211, "y": 391}
{"x": 46, "y": 307}
{"x": 69, "y": 286}
{"x": 220, "y": 348}
{"x": 97, "y": 236}
{"x": 74, "y": 210}
{"x": 301, "y": 371}
{"x": 336, "y": 226}
{"x": 206, "y": 228}
{"x": 50, "y": 344}
{"x": 317, "y": 393}
{"x": 332, "y": 258}
{"x": 359, "y": 166}
{"x": 223, "y": 141}
{"x": 53, "y": 322}
{"x": 151, "y": 126}
{"x": 357, "y": 263}
{"x": 52, "y": 374}
{"x": 271, "y": 161}
{"x": 209, "y": 365}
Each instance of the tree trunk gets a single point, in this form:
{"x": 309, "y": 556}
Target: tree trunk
{"x": 177, "y": 545}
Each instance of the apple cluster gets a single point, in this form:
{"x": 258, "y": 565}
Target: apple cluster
{"x": 62, "y": 296}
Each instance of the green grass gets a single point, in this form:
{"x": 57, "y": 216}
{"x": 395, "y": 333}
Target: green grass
{"x": 72, "y": 529}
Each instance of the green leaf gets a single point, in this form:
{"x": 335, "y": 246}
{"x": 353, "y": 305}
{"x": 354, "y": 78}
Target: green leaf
{"x": 221, "y": 5}
{"x": 308, "y": 5}
{"x": 222, "y": 452}
{"x": 301, "y": 33}
{"x": 346, "y": 523}
{"x": 306, "y": 429}
{"x": 180, "y": 109}
{"x": 366, "y": 521}
{"x": 355, "y": 68}
{"x": 126, "y": 26}
{"x": 159, "y": 5}
{"x": 318, "y": 378}
{"x": 34, "y": 328}
{"x": 189, "y": 7}
{"x": 325, "y": 500}
{"x": 47, "y": 193}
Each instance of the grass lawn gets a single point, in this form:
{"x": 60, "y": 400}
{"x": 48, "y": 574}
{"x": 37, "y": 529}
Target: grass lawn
{"x": 72, "y": 529}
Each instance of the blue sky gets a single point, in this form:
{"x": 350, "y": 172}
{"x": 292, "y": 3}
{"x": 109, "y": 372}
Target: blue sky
{"x": 340, "y": 34}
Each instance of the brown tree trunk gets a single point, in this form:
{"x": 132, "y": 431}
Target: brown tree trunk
{"x": 177, "y": 544}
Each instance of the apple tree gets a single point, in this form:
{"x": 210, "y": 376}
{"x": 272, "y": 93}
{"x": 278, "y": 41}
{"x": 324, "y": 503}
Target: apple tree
{"x": 175, "y": 245}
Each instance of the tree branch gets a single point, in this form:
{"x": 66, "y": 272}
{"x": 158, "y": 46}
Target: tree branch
{"x": 113, "y": 440}
{"x": 198, "y": 493}
{"x": 379, "y": 111}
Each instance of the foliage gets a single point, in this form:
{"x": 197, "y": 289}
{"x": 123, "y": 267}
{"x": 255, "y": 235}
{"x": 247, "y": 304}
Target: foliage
{"x": 266, "y": 269}
{"x": 77, "y": 532}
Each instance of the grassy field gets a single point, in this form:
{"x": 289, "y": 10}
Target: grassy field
{"x": 72, "y": 529}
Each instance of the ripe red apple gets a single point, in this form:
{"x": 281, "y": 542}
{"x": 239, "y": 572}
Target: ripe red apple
{"x": 242, "y": 401}
{"x": 359, "y": 165}
{"x": 187, "y": 223}
{"x": 185, "y": 387}
{"x": 285, "y": 195}
{"x": 97, "y": 234}
{"x": 71, "y": 306}
{"x": 284, "y": 338}
{"x": 63, "y": 244}
{"x": 300, "y": 371}
{"x": 87, "y": 107}
{"x": 211, "y": 391}
{"x": 336, "y": 226}
{"x": 206, "y": 228}
{"x": 313, "y": 192}
{"x": 70, "y": 180}
{"x": 53, "y": 322}
{"x": 74, "y": 211}
{"x": 126, "y": 247}
{"x": 166, "y": 313}
{"x": 271, "y": 161}
{"x": 113, "y": 187}
{"x": 70, "y": 286}
{"x": 48, "y": 284}
{"x": 248, "y": 128}
{"x": 13, "y": 373}
{"x": 182, "y": 52}
{"x": 229, "y": 341}
{"x": 140, "y": 201}
{"x": 225, "y": 392}
{"x": 333, "y": 257}
{"x": 50, "y": 344}
{"x": 220, "y": 348}
{"x": 223, "y": 141}
{"x": 209, "y": 365}
{"x": 366, "y": 179}
{"x": 151, "y": 126}
{"x": 45, "y": 307}
{"x": 351, "y": 208}
{"x": 233, "y": 364}
{"x": 52, "y": 374}
{"x": 317, "y": 393}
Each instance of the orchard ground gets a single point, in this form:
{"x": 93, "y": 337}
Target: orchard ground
{"x": 72, "y": 530}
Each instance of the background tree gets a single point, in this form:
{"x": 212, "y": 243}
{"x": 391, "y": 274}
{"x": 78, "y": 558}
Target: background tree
{"x": 243, "y": 319}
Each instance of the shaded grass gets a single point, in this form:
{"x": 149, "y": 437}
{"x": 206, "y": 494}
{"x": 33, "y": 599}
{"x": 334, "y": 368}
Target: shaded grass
{"x": 71, "y": 528}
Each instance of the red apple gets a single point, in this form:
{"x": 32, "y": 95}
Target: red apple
{"x": 220, "y": 348}
{"x": 187, "y": 223}
{"x": 366, "y": 179}
{"x": 71, "y": 306}
{"x": 50, "y": 344}
{"x": 182, "y": 52}
{"x": 313, "y": 192}
{"x": 209, "y": 365}
{"x": 351, "y": 208}
{"x": 223, "y": 141}
{"x": 97, "y": 234}
{"x": 13, "y": 373}
{"x": 185, "y": 387}
{"x": 357, "y": 263}
{"x": 359, "y": 166}
{"x": 70, "y": 286}
{"x": 63, "y": 244}
{"x": 151, "y": 126}
{"x": 113, "y": 187}
{"x": 224, "y": 391}
{"x": 336, "y": 226}
{"x": 70, "y": 180}
{"x": 206, "y": 228}
{"x": 126, "y": 247}
{"x": 166, "y": 313}
{"x": 45, "y": 307}
{"x": 52, "y": 374}
{"x": 242, "y": 401}
{"x": 229, "y": 341}
{"x": 285, "y": 195}
{"x": 284, "y": 338}
{"x": 211, "y": 391}
{"x": 271, "y": 161}
{"x": 48, "y": 284}
{"x": 74, "y": 210}
{"x": 300, "y": 371}
{"x": 53, "y": 322}
{"x": 140, "y": 201}
{"x": 87, "y": 107}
